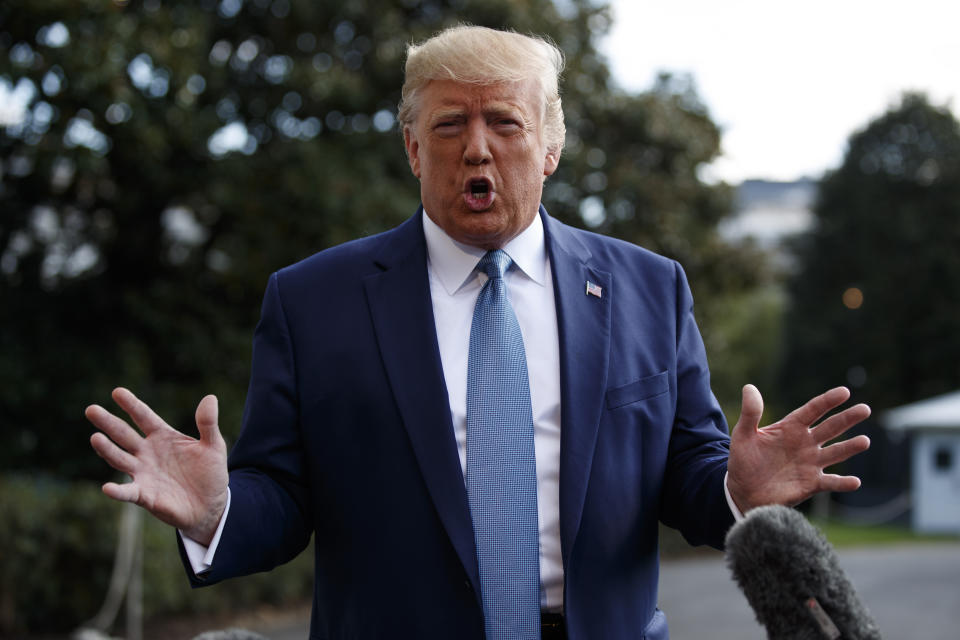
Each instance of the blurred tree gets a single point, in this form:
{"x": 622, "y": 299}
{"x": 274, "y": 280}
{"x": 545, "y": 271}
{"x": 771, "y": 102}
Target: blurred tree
{"x": 160, "y": 159}
{"x": 875, "y": 301}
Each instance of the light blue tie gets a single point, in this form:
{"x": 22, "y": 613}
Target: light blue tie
{"x": 501, "y": 465}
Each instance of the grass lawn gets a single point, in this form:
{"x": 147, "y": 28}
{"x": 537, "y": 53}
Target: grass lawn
{"x": 842, "y": 534}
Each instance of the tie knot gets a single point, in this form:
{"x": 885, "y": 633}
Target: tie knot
{"x": 494, "y": 263}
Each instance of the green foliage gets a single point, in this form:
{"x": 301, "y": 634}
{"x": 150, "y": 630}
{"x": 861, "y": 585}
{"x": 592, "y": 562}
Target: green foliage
{"x": 746, "y": 338}
{"x": 49, "y": 529}
{"x": 875, "y": 302}
{"x": 135, "y": 243}
{"x": 58, "y": 544}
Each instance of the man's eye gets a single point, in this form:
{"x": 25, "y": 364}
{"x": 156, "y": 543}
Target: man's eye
{"x": 506, "y": 124}
{"x": 446, "y": 126}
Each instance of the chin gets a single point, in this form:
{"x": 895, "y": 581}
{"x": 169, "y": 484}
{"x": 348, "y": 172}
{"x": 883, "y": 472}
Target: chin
{"x": 483, "y": 229}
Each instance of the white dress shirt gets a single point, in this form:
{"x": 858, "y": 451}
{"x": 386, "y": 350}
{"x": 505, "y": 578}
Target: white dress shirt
{"x": 454, "y": 287}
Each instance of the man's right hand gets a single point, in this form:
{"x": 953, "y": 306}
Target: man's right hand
{"x": 180, "y": 480}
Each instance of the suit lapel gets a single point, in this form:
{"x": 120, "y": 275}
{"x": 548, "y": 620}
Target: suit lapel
{"x": 584, "y": 328}
{"x": 402, "y": 312}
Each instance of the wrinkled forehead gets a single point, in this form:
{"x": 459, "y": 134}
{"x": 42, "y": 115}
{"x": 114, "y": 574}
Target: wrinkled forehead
{"x": 523, "y": 96}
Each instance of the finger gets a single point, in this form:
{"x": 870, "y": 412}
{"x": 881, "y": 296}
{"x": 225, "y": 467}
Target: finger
{"x": 116, "y": 429}
{"x": 818, "y": 407}
{"x": 841, "y": 451}
{"x": 114, "y": 455}
{"x": 128, "y": 492}
{"x": 838, "y": 424}
{"x": 207, "y": 414}
{"x": 138, "y": 411}
{"x": 751, "y": 410}
{"x": 832, "y": 482}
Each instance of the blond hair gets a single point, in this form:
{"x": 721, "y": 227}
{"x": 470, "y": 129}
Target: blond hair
{"x": 478, "y": 55}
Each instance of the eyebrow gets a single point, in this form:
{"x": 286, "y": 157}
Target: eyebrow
{"x": 497, "y": 108}
{"x": 445, "y": 113}
{"x": 504, "y": 109}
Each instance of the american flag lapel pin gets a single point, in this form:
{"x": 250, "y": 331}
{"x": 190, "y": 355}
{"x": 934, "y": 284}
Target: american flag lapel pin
{"x": 594, "y": 289}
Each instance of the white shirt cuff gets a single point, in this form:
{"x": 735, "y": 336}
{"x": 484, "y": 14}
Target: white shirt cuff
{"x": 201, "y": 557}
{"x": 738, "y": 516}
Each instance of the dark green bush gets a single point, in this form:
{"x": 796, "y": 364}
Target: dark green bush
{"x": 56, "y": 541}
{"x": 57, "y": 545}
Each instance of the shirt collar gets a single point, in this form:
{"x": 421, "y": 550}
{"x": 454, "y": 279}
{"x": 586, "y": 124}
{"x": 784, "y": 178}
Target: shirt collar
{"x": 453, "y": 262}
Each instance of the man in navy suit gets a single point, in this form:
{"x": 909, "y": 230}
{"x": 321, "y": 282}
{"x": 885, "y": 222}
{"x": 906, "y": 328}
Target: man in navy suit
{"x": 356, "y": 423}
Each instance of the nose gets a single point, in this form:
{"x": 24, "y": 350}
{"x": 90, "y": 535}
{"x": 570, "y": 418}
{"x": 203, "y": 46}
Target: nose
{"x": 476, "y": 150}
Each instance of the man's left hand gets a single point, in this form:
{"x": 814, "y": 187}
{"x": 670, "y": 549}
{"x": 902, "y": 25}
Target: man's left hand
{"x": 784, "y": 463}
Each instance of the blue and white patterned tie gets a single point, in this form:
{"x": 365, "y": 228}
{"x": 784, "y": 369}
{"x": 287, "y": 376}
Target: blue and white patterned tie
{"x": 501, "y": 464}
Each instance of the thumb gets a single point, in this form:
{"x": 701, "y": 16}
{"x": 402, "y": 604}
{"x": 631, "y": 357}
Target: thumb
{"x": 751, "y": 410}
{"x": 207, "y": 415}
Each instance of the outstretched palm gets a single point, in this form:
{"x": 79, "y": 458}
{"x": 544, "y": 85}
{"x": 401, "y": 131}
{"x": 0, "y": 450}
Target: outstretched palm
{"x": 783, "y": 463}
{"x": 180, "y": 480}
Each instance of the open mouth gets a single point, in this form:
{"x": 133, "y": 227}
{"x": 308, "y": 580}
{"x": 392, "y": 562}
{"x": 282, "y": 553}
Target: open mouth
{"x": 479, "y": 188}
{"x": 478, "y": 193}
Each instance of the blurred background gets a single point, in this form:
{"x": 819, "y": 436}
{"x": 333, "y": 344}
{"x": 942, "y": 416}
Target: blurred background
{"x": 159, "y": 159}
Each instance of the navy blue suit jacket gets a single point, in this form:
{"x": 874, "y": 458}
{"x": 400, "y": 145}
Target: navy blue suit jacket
{"x": 347, "y": 436}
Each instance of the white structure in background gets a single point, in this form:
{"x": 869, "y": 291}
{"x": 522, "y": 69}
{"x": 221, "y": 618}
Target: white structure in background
{"x": 935, "y": 425}
{"x": 769, "y": 212}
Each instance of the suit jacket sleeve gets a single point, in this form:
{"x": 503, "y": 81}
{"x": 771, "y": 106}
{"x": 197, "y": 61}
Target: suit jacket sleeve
{"x": 269, "y": 521}
{"x": 693, "y": 500}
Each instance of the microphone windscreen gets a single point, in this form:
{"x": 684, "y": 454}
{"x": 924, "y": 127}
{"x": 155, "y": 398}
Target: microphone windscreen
{"x": 792, "y": 579}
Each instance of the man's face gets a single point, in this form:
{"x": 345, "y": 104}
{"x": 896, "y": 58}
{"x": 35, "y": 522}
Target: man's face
{"x": 480, "y": 156}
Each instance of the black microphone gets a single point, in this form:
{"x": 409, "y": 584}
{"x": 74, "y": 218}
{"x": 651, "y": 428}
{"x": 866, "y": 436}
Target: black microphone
{"x": 792, "y": 579}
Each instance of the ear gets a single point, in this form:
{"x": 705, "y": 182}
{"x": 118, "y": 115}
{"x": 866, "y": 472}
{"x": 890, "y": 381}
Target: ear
{"x": 550, "y": 162}
{"x": 413, "y": 150}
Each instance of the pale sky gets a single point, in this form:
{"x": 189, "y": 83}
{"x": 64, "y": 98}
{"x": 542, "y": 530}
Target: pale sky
{"x": 789, "y": 82}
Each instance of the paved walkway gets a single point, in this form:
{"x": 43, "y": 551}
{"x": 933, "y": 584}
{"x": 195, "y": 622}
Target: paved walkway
{"x": 912, "y": 591}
